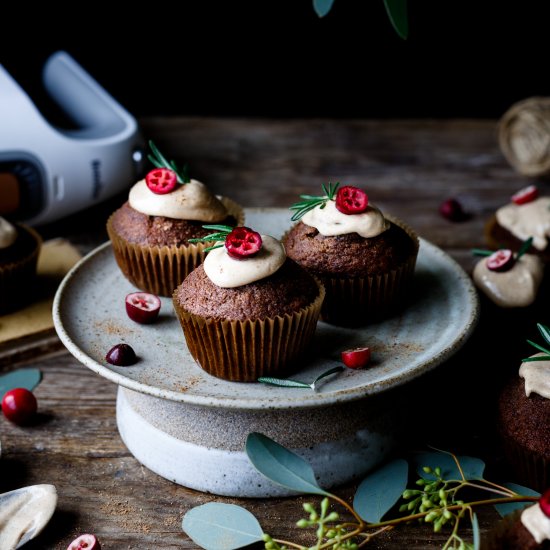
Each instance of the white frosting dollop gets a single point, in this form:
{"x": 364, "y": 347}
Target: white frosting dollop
{"x": 537, "y": 377}
{"x": 527, "y": 220}
{"x": 189, "y": 201}
{"x": 516, "y": 287}
{"x": 329, "y": 221}
{"x": 8, "y": 233}
{"x": 228, "y": 272}
{"x": 534, "y": 520}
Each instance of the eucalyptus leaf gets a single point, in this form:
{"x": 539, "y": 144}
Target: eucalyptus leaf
{"x": 508, "y": 508}
{"x": 281, "y": 465}
{"x": 218, "y": 526}
{"x": 380, "y": 490}
{"x": 20, "y": 378}
{"x": 288, "y": 383}
{"x": 526, "y": 245}
{"x": 472, "y": 467}
{"x": 322, "y": 7}
{"x": 397, "y": 12}
{"x": 477, "y": 536}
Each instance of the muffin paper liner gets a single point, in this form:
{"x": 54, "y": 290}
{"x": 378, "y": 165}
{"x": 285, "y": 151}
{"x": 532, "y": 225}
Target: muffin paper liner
{"x": 160, "y": 269}
{"x": 357, "y": 301}
{"x": 16, "y": 278}
{"x": 242, "y": 351}
{"x": 532, "y": 469}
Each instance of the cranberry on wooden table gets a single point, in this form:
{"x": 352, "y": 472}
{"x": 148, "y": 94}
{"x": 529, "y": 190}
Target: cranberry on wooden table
{"x": 356, "y": 358}
{"x": 121, "y": 355}
{"x": 85, "y": 542}
{"x": 452, "y": 210}
{"x": 19, "y": 405}
{"x": 142, "y": 307}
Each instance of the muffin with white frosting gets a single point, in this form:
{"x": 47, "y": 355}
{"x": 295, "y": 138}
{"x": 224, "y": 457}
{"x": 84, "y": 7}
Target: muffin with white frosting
{"x": 151, "y": 232}
{"x": 527, "y": 529}
{"x": 248, "y": 310}
{"x": 19, "y": 248}
{"x": 526, "y": 215}
{"x": 524, "y": 419}
{"x": 364, "y": 259}
{"x": 510, "y": 280}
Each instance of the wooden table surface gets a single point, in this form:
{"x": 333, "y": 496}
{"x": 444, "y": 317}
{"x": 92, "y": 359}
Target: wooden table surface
{"x": 408, "y": 168}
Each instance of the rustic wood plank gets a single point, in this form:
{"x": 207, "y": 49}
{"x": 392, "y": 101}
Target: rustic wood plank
{"x": 409, "y": 167}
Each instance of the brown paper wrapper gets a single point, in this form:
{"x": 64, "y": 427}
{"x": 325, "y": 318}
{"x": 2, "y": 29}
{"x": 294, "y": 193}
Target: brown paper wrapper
{"x": 532, "y": 469}
{"x": 242, "y": 351}
{"x": 360, "y": 300}
{"x": 16, "y": 278}
{"x": 160, "y": 269}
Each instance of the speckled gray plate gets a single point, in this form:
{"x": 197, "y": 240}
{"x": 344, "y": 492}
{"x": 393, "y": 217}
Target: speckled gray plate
{"x": 90, "y": 318}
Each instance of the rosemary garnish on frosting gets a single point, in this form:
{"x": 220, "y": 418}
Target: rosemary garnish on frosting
{"x": 311, "y": 201}
{"x": 159, "y": 161}
{"x": 523, "y": 249}
{"x": 221, "y": 233}
{"x": 545, "y": 331}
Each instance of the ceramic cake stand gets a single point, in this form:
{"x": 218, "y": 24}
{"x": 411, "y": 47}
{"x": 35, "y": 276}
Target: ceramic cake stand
{"x": 190, "y": 427}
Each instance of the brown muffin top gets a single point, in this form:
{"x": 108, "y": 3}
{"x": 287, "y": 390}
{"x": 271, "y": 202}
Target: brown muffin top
{"x": 139, "y": 228}
{"x": 348, "y": 255}
{"x": 510, "y": 534}
{"x": 286, "y": 291}
{"x": 25, "y": 245}
{"x": 497, "y": 236}
{"x": 526, "y": 420}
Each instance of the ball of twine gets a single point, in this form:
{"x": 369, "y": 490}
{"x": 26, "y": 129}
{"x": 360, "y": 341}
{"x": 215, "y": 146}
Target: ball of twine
{"x": 524, "y": 136}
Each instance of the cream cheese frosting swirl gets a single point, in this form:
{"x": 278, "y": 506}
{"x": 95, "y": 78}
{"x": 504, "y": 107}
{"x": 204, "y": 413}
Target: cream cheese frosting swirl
{"x": 534, "y": 520}
{"x": 527, "y": 220}
{"x": 190, "y": 201}
{"x": 227, "y": 272}
{"x": 537, "y": 377}
{"x": 8, "y": 233}
{"x": 516, "y": 287}
{"x": 330, "y": 222}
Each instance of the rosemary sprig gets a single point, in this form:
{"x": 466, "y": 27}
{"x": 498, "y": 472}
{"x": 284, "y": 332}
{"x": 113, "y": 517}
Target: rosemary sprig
{"x": 525, "y": 246}
{"x": 545, "y": 331}
{"x": 310, "y": 202}
{"x": 287, "y": 383}
{"x": 221, "y": 232}
{"x": 158, "y": 160}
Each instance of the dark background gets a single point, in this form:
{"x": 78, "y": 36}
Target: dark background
{"x": 278, "y": 59}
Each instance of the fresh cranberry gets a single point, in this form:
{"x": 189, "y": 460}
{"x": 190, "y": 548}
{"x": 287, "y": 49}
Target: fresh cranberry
{"x": 121, "y": 355}
{"x": 19, "y": 405}
{"x": 452, "y": 210}
{"x": 525, "y": 195}
{"x": 356, "y": 358}
{"x": 501, "y": 260}
{"x": 85, "y": 542}
{"x": 351, "y": 200}
{"x": 544, "y": 503}
{"x": 142, "y": 307}
{"x": 243, "y": 242}
{"x": 161, "y": 180}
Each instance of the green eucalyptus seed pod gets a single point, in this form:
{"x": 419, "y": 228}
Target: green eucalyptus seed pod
{"x": 427, "y": 503}
{"x": 405, "y": 507}
{"x": 430, "y": 517}
{"x": 447, "y": 514}
{"x": 324, "y": 506}
{"x": 408, "y": 493}
{"x": 302, "y": 523}
{"x": 333, "y": 516}
{"x": 427, "y": 470}
{"x": 437, "y": 525}
{"x": 270, "y": 545}
{"x": 266, "y": 537}
{"x": 308, "y": 507}
{"x": 442, "y": 494}
{"x": 421, "y": 482}
{"x": 330, "y": 534}
{"x": 438, "y": 471}
{"x": 313, "y": 516}
{"x": 411, "y": 505}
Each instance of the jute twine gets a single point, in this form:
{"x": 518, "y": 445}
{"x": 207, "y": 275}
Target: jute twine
{"x": 524, "y": 136}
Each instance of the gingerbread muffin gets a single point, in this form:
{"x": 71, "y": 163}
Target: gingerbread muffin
{"x": 526, "y": 215}
{"x": 248, "y": 311}
{"x": 509, "y": 279}
{"x": 364, "y": 259}
{"x": 19, "y": 248}
{"x": 527, "y": 529}
{"x": 524, "y": 420}
{"x": 151, "y": 232}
